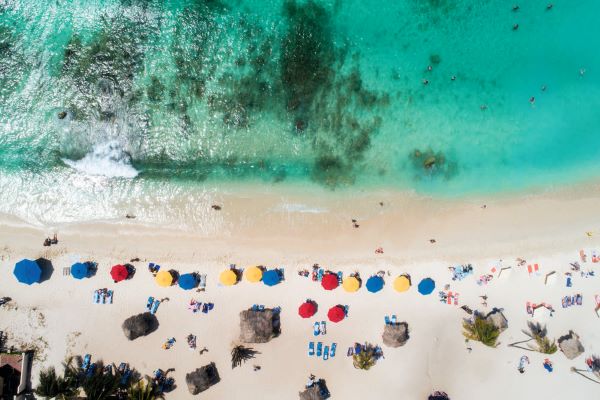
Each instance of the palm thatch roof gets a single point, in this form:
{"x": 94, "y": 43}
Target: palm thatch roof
{"x": 258, "y": 326}
{"x": 318, "y": 391}
{"x": 139, "y": 325}
{"x": 202, "y": 378}
{"x": 570, "y": 345}
{"x": 395, "y": 335}
{"x": 497, "y": 318}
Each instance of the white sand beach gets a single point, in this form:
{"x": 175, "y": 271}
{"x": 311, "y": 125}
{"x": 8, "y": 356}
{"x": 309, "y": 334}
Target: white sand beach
{"x": 58, "y": 318}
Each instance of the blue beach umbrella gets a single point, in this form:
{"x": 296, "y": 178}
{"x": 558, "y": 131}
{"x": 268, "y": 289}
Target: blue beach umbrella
{"x": 27, "y": 272}
{"x": 426, "y": 286}
{"x": 375, "y": 284}
{"x": 188, "y": 281}
{"x": 80, "y": 270}
{"x": 271, "y": 277}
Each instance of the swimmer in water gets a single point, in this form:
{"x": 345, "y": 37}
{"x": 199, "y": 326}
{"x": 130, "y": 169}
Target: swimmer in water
{"x": 532, "y": 100}
{"x": 549, "y": 6}
{"x": 515, "y": 7}
{"x": 425, "y": 82}
{"x": 429, "y": 68}
{"x": 453, "y": 78}
{"x": 515, "y": 27}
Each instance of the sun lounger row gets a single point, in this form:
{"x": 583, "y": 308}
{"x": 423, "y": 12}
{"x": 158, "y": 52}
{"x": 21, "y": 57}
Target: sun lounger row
{"x": 103, "y": 296}
{"x": 320, "y": 328}
{"x": 196, "y": 306}
{"x": 152, "y": 305}
{"x": 391, "y": 321}
{"x": 569, "y": 301}
{"x": 325, "y": 352}
{"x": 448, "y": 297}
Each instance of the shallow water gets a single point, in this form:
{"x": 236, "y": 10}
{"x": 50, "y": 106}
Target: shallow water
{"x": 172, "y": 97}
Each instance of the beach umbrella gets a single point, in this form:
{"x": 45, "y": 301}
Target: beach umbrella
{"x": 119, "y": 273}
{"x": 228, "y": 277}
{"x": 27, "y": 272}
{"x": 271, "y": 277}
{"x": 329, "y": 281}
{"x": 375, "y": 284}
{"x": 79, "y": 270}
{"x": 426, "y": 286}
{"x": 307, "y": 309}
{"x": 402, "y": 283}
{"x": 351, "y": 284}
{"x": 253, "y": 274}
{"x": 187, "y": 281}
{"x": 336, "y": 313}
{"x": 164, "y": 278}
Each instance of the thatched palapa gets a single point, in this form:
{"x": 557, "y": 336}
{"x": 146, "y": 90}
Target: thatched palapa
{"x": 258, "y": 326}
{"x": 202, "y": 378}
{"x": 395, "y": 335}
{"x": 498, "y": 319}
{"x": 139, "y": 325}
{"x": 570, "y": 345}
{"x": 318, "y": 391}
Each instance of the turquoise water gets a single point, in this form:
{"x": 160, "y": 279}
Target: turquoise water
{"x": 165, "y": 97}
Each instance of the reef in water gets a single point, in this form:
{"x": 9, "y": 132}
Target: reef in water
{"x": 429, "y": 163}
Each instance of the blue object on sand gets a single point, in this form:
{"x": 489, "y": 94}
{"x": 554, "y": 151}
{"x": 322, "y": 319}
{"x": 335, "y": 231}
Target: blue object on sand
{"x": 149, "y": 303}
{"x": 332, "y": 350}
{"x": 27, "y": 272}
{"x": 317, "y": 329}
{"x": 311, "y": 348}
{"x": 326, "y": 353}
{"x": 271, "y": 277}
{"x": 569, "y": 282}
{"x": 86, "y": 361}
{"x": 319, "y": 349}
{"x": 188, "y": 281}
{"x": 387, "y": 320}
{"x": 155, "y": 306}
{"x": 80, "y": 270}
{"x": 426, "y": 286}
{"x": 375, "y": 284}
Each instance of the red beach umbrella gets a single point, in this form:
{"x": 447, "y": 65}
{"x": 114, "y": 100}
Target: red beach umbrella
{"x": 307, "y": 310}
{"x": 329, "y": 281}
{"x": 119, "y": 273}
{"x": 336, "y": 313}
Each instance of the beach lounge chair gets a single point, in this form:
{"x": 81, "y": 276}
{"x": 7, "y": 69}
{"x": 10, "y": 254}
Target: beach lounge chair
{"x": 254, "y": 307}
{"x": 394, "y": 320}
{"x": 529, "y": 307}
{"x": 126, "y": 376}
{"x": 90, "y": 371}
{"x": 311, "y": 348}
{"x": 533, "y": 269}
{"x": 595, "y": 257}
{"x": 319, "y": 349}
{"x": 97, "y": 297}
{"x": 86, "y": 361}
{"x": 320, "y": 274}
{"x": 387, "y": 320}
{"x": 121, "y": 367}
{"x": 317, "y": 329}
{"x": 158, "y": 374}
{"x": 323, "y": 328}
{"x": 326, "y": 353}
{"x": 332, "y": 350}
{"x": 202, "y": 282}
{"x": 579, "y": 299}
{"x": 548, "y": 365}
{"x": 107, "y": 369}
{"x": 205, "y": 308}
{"x": 262, "y": 308}
{"x": 109, "y": 297}
{"x": 155, "y": 306}
{"x": 315, "y": 275}
{"x": 449, "y": 298}
{"x": 149, "y": 303}
{"x": 340, "y": 276}
{"x": 569, "y": 281}
{"x": 210, "y": 306}
{"x": 583, "y": 256}
{"x": 357, "y": 348}
{"x": 455, "y": 298}
{"x": 350, "y": 351}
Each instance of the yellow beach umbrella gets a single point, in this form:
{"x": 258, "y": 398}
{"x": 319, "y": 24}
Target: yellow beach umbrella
{"x": 402, "y": 283}
{"x": 228, "y": 278}
{"x": 351, "y": 284}
{"x": 164, "y": 278}
{"x": 253, "y": 274}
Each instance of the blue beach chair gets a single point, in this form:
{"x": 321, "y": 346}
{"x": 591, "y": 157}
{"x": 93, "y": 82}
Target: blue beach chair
{"x": 332, "y": 350}
{"x": 155, "y": 306}
{"x": 320, "y": 274}
{"x": 387, "y": 320}
{"x": 319, "y": 349}
{"x": 86, "y": 361}
{"x": 394, "y": 319}
{"x": 149, "y": 303}
{"x": 326, "y": 353}
{"x": 323, "y": 328}
{"x": 317, "y": 329}
{"x": 109, "y": 297}
{"x": 311, "y": 348}
{"x": 340, "y": 276}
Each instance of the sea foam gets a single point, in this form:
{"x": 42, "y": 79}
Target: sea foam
{"x": 106, "y": 159}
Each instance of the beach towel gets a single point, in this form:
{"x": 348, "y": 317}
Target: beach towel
{"x": 582, "y": 256}
{"x": 595, "y": 257}
{"x": 533, "y": 269}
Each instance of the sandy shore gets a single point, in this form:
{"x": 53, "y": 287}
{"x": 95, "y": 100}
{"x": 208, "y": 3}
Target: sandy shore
{"x": 295, "y": 232}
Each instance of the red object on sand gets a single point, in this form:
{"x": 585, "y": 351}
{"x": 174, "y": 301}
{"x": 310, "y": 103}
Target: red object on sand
{"x": 329, "y": 281}
{"x": 336, "y": 313}
{"x": 307, "y": 310}
{"x": 119, "y": 273}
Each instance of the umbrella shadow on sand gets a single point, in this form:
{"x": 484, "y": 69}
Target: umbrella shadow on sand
{"x": 46, "y": 267}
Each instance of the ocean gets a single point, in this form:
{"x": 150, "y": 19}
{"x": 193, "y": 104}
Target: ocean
{"x": 140, "y": 105}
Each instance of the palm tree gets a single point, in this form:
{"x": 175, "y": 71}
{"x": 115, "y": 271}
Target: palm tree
{"x": 143, "y": 389}
{"x": 100, "y": 385}
{"x": 538, "y": 333}
{"x": 365, "y": 359}
{"x": 241, "y": 354}
{"x": 481, "y": 330}
{"x": 51, "y": 385}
